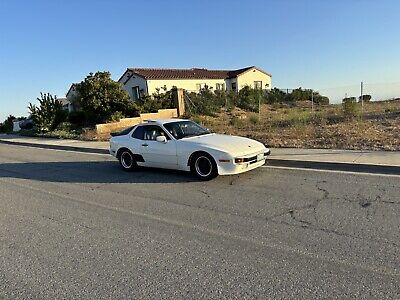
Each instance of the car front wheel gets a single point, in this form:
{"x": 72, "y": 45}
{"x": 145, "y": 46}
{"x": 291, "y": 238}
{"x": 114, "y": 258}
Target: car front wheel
{"x": 204, "y": 167}
{"x": 127, "y": 161}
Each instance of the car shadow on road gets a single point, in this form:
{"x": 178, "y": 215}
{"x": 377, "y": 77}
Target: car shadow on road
{"x": 90, "y": 172}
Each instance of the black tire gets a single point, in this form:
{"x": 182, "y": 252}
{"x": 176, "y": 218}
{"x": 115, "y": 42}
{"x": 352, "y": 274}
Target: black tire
{"x": 203, "y": 166}
{"x": 126, "y": 160}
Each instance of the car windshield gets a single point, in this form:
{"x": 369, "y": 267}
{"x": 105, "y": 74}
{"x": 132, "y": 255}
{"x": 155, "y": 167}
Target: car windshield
{"x": 184, "y": 129}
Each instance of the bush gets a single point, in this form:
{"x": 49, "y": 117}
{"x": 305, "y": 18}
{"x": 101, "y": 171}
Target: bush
{"x": 49, "y": 114}
{"x": 204, "y": 103}
{"x": 254, "y": 119}
{"x": 250, "y": 99}
{"x": 115, "y": 117}
{"x": 231, "y": 100}
{"x": 365, "y": 98}
{"x": 350, "y": 107}
{"x": 165, "y": 98}
{"x": 150, "y": 105}
{"x": 65, "y": 126}
{"x": 77, "y": 118}
{"x": 7, "y": 125}
{"x": 237, "y": 122}
{"x": 279, "y": 96}
{"x": 322, "y": 100}
{"x": 274, "y": 96}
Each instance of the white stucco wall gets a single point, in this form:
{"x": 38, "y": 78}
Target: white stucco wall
{"x": 132, "y": 82}
{"x": 72, "y": 93}
{"x": 252, "y": 75}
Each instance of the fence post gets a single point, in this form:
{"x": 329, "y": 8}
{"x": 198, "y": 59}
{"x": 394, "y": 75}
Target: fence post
{"x": 179, "y": 100}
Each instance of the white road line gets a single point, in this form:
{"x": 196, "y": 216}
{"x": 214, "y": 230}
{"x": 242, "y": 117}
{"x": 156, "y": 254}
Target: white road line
{"x": 332, "y": 171}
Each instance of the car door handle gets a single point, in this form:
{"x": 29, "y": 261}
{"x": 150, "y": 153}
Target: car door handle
{"x": 144, "y": 145}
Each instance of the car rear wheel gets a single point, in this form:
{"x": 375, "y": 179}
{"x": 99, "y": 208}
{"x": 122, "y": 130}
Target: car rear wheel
{"x": 126, "y": 160}
{"x": 204, "y": 167}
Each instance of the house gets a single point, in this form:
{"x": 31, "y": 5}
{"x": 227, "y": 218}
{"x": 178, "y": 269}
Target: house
{"x": 70, "y": 96}
{"x": 146, "y": 81}
{"x": 71, "y": 92}
{"x": 66, "y": 104}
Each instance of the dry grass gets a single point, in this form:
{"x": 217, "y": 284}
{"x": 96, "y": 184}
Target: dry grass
{"x": 327, "y": 127}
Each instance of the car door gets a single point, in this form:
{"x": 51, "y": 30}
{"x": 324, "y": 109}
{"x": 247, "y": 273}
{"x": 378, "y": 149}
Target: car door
{"x": 158, "y": 154}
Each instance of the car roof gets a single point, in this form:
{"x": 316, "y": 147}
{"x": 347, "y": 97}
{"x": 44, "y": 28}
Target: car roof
{"x": 163, "y": 121}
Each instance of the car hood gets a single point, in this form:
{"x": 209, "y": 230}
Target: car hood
{"x": 234, "y": 145}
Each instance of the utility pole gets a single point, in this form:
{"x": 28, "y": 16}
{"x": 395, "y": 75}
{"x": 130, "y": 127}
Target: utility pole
{"x": 312, "y": 100}
{"x": 362, "y": 99}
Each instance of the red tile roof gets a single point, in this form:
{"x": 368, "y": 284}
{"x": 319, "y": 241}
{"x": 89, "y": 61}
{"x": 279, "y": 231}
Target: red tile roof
{"x": 194, "y": 73}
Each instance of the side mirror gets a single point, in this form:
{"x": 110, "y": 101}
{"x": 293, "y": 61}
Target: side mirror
{"x": 161, "y": 139}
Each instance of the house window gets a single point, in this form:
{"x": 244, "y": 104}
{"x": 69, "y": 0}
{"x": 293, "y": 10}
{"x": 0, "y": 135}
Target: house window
{"x": 220, "y": 86}
{"x": 136, "y": 93}
{"x": 258, "y": 85}
{"x": 200, "y": 86}
{"x": 234, "y": 86}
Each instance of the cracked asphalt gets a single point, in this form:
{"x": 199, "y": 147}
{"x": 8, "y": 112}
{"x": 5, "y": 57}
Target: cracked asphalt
{"x": 73, "y": 225}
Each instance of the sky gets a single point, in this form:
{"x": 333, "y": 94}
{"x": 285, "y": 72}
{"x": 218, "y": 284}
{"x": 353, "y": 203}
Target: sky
{"x": 329, "y": 46}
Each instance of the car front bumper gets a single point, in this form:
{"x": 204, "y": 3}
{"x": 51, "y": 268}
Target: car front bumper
{"x": 231, "y": 169}
{"x": 250, "y": 162}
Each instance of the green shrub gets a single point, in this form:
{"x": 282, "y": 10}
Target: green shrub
{"x": 350, "y": 107}
{"x": 365, "y": 98}
{"x": 49, "y": 114}
{"x": 204, "y": 103}
{"x": 115, "y": 117}
{"x": 163, "y": 99}
{"x": 7, "y": 125}
{"x": 279, "y": 96}
{"x": 231, "y": 100}
{"x": 65, "y": 126}
{"x": 254, "y": 119}
{"x": 77, "y": 118}
{"x": 250, "y": 99}
{"x": 150, "y": 105}
{"x": 274, "y": 96}
{"x": 236, "y": 122}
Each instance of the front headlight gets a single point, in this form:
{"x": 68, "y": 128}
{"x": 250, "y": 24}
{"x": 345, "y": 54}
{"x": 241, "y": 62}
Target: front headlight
{"x": 239, "y": 160}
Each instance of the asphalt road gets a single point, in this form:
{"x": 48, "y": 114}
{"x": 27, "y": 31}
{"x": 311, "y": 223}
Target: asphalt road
{"x": 73, "y": 225}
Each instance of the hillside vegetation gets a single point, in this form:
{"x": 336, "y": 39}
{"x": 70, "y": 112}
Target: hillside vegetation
{"x": 329, "y": 126}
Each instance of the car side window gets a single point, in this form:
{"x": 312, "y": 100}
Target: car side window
{"x": 138, "y": 133}
{"x": 151, "y": 132}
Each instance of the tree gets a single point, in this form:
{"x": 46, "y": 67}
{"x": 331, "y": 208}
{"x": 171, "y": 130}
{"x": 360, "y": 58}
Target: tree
{"x": 99, "y": 97}
{"x": 301, "y": 95}
{"x": 365, "y": 98}
{"x": 278, "y": 96}
{"x": 49, "y": 114}
{"x": 7, "y": 125}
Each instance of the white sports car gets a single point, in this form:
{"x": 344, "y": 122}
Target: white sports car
{"x": 184, "y": 145}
